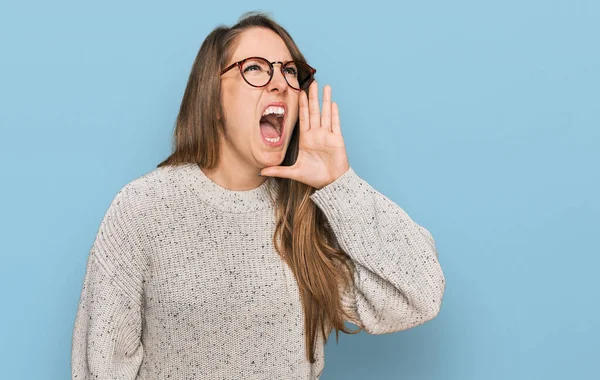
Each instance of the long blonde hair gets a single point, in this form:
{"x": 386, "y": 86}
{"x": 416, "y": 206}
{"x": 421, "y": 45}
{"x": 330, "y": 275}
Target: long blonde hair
{"x": 302, "y": 237}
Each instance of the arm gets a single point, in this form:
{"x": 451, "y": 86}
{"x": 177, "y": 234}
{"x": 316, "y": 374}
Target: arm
{"x": 107, "y": 332}
{"x": 398, "y": 281}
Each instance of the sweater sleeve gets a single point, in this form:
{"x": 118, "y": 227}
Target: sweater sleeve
{"x": 107, "y": 332}
{"x": 398, "y": 281}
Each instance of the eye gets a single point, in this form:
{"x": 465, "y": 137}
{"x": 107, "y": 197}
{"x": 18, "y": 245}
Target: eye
{"x": 290, "y": 71}
{"x": 252, "y": 68}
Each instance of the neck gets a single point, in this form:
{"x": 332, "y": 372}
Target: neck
{"x": 233, "y": 173}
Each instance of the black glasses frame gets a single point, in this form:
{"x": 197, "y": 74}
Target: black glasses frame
{"x": 239, "y": 64}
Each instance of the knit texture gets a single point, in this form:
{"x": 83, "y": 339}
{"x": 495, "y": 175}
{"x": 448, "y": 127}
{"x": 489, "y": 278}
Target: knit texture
{"x": 183, "y": 280}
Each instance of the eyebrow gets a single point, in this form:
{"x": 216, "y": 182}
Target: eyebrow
{"x": 260, "y": 56}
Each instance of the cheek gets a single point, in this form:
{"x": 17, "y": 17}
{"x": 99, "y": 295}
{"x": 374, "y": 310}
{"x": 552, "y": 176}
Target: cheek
{"x": 238, "y": 109}
{"x": 293, "y": 109}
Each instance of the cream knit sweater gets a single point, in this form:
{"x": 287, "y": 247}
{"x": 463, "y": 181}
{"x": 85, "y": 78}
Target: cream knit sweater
{"x": 183, "y": 281}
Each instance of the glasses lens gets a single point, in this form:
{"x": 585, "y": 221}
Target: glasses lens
{"x": 256, "y": 71}
{"x": 299, "y": 75}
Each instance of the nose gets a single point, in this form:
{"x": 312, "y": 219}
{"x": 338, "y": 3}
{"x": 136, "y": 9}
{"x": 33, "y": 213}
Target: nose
{"x": 278, "y": 82}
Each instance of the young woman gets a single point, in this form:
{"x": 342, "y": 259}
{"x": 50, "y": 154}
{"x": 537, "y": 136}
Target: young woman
{"x": 238, "y": 255}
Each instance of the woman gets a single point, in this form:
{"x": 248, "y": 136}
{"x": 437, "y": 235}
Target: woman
{"x": 203, "y": 269}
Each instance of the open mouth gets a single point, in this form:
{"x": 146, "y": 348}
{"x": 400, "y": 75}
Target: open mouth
{"x": 271, "y": 124}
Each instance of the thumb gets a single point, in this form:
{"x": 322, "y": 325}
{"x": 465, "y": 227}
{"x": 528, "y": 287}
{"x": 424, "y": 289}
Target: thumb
{"x": 278, "y": 171}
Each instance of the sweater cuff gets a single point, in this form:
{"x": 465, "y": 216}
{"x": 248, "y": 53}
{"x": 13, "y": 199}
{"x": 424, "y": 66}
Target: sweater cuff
{"x": 345, "y": 192}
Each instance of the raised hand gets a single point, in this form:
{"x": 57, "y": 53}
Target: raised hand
{"x": 322, "y": 154}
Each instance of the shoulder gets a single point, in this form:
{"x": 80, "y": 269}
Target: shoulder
{"x": 151, "y": 186}
{"x": 135, "y": 201}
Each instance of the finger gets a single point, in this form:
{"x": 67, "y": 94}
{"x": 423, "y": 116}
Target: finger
{"x": 335, "y": 119}
{"x": 290, "y": 172}
{"x": 313, "y": 105}
{"x": 303, "y": 112}
{"x": 326, "y": 111}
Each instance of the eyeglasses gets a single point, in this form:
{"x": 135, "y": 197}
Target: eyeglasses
{"x": 258, "y": 72}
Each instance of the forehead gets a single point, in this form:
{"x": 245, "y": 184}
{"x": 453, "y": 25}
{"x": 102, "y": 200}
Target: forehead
{"x": 261, "y": 42}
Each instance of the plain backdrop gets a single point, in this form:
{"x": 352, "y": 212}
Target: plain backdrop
{"x": 479, "y": 118}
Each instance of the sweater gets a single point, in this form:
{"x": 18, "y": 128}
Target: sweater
{"x": 183, "y": 282}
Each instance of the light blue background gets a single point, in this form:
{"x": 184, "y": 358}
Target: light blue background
{"x": 480, "y": 119}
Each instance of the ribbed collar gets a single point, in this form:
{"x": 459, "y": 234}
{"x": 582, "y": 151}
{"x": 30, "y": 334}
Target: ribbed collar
{"x": 232, "y": 201}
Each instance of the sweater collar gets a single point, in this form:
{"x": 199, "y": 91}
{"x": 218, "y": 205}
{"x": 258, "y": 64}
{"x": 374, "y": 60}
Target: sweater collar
{"x": 233, "y": 201}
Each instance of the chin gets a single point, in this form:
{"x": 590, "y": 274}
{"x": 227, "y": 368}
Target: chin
{"x": 273, "y": 158}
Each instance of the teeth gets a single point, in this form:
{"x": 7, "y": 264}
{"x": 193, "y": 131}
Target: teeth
{"x": 274, "y": 110}
{"x": 276, "y": 139}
